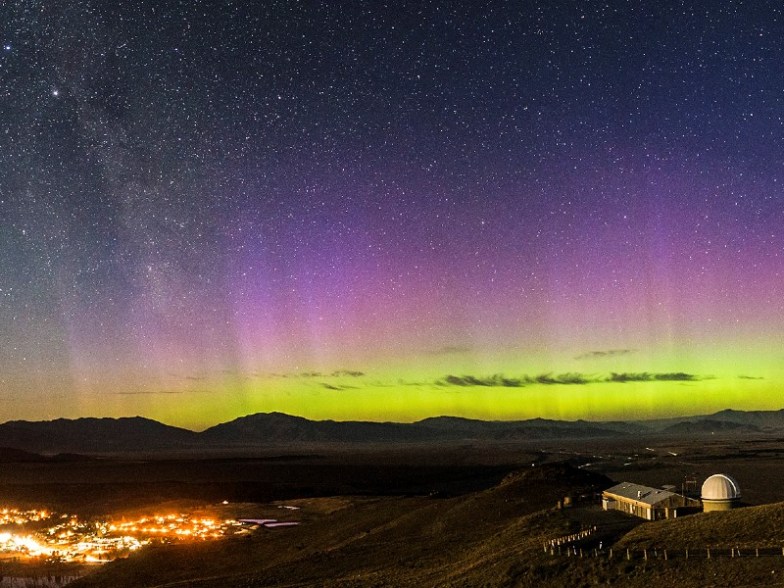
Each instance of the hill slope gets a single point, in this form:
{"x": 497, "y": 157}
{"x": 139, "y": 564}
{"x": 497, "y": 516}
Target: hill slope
{"x": 491, "y": 539}
{"x": 278, "y": 427}
{"x": 93, "y": 435}
{"x": 472, "y": 540}
{"x": 751, "y": 527}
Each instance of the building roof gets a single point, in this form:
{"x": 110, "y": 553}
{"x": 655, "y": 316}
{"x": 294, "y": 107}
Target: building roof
{"x": 720, "y": 487}
{"x": 639, "y": 493}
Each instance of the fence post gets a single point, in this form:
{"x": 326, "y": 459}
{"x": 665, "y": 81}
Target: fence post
{"x": 756, "y": 552}
{"x": 665, "y": 555}
{"x": 645, "y": 554}
{"x": 629, "y": 555}
{"x": 610, "y": 555}
{"x": 708, "y": 552}
{"x": 687, "y": 553}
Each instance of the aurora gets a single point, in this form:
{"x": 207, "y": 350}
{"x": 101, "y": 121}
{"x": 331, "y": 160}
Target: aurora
{"x": 390, "y": 212}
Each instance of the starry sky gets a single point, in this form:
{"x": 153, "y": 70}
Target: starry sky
{"x": 390, "y": 210}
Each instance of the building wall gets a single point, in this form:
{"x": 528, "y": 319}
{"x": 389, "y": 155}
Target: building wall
{"x": 628, "y": 507}
{"x": 664, "y": 509}
{"x": 717, "y": 505}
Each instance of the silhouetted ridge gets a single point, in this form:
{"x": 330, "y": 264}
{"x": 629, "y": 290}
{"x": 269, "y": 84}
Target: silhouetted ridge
{"x": 94, "y": 435}
{"x": 138, "y": 434}
{"x": 708, "y": 426}
{"x": 538, "y": 428}
{"x": 272, "y": 427}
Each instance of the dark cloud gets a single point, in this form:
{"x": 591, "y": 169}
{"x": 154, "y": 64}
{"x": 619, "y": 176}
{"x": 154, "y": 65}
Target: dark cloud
{"x": 648, "y": 377}
{"x": 605, "y": 353}
{"x": 567, "y": 378}
{"x": 677, "y": 377}
{"x": 750, "y": 378}
{"x": 338, "y": 388}
{"x": 496, "y": 380}
{"x": 501, "y": 381}
{"x": 335, "y": 374}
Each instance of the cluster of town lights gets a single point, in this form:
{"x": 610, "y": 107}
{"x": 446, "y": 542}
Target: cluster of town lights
{"x": 41, "y": 534}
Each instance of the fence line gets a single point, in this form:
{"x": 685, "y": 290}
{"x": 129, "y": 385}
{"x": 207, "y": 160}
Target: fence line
{"x": 571, "y": 549}
{"x": 571, "y": 538}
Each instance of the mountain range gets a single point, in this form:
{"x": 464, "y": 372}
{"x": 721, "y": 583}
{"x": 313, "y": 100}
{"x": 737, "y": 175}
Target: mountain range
{"x": 138, "y": 434}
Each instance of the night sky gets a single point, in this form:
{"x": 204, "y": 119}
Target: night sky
{"x": 388, "y": 211}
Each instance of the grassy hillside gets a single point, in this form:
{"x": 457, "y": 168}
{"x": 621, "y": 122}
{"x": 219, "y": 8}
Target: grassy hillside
{"x": 746, "y": 528}
{"x": 387, "y": 542}
{"x": 374, "y": 542}
{"x": 487, "y": 539}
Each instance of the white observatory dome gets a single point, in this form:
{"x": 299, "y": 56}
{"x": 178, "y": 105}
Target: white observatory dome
{"x": 720, "y": 487}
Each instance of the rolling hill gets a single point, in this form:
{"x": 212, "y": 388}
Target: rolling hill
{"x": 491, "y": 538}
{"x": 94, "y": 435}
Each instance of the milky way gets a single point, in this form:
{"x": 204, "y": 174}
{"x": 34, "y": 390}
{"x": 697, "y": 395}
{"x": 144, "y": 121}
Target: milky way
{"x": 390, "y": 210}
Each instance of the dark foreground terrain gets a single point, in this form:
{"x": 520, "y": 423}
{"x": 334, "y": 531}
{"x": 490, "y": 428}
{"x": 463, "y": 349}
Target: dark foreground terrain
{"x": 449, "y": 514}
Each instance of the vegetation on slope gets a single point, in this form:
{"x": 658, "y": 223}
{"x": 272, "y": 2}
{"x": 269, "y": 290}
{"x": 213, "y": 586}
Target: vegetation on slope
{"x": 492, "y": 538}
{"x": 745, "y": 528}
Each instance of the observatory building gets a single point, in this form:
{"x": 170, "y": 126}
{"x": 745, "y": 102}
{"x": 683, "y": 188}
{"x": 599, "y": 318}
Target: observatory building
{"x": 720, "y": 492}
{"x": 651, "y": 504}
